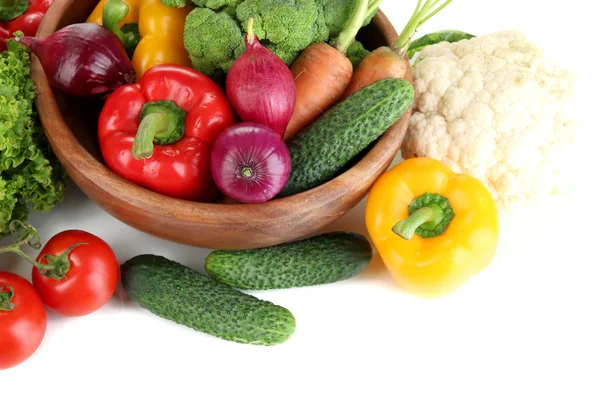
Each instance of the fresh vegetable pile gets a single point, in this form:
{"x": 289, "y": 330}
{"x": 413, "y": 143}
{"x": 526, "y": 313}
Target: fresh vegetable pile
{"x": 214, "y": 31}
{"x": 253, "y": 100}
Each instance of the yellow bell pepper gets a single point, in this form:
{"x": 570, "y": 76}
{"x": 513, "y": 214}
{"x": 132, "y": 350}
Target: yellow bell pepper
{"x": 151, "y": 32}
{"x": 434, "y": 229}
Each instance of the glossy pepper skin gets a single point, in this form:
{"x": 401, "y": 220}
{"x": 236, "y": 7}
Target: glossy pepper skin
{"x": 21, "y": 15}
{"x": 160, "y": 32}
{"x": 457, "y": 219}
{"x": 159, "y": 131}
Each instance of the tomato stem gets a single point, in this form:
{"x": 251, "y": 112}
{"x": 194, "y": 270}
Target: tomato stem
{"x": 6, "y": 297}
{"x": 26, "y": 235}
{"x": 57, "y": 267}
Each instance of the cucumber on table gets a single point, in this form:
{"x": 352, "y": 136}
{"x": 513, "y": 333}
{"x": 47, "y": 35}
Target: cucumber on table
{"x": 322, "y": 150}
{"x": 326, "y": 258}
{"x": 180, "y": 294}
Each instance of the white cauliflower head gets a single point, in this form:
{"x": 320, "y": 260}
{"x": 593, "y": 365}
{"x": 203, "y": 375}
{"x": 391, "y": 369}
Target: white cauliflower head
{"x": 493, "y": 107}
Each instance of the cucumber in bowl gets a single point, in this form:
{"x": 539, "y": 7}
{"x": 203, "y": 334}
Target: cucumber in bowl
{"x": 325, "y": 148}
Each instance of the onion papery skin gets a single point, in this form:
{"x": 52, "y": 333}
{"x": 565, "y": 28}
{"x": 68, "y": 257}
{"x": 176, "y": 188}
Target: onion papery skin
{"x": 250, "y": 163}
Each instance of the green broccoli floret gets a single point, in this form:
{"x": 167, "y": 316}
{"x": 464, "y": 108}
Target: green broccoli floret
{"x": 216, "y": 4}
{"x": 214, "y": 33}
{"x": 174, "y": 3}
{"x": 338, "y": 12}
{"x": 356, "y": 53}
{"x": 286, "y": 27}
{"x": 213, "y": 39}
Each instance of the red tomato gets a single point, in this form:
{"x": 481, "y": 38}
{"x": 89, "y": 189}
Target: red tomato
{"x": 91, "y": 279}
{"x": 23, "y": 327}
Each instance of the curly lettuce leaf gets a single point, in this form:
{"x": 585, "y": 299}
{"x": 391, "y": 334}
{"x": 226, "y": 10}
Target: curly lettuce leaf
{"x": 30, "y": 175}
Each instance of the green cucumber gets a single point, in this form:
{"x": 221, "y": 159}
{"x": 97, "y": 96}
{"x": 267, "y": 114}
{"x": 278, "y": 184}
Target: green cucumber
{"x": 180, "y": 294}
{"x": 326, "y": 258}
{"x": 322, "y": 151}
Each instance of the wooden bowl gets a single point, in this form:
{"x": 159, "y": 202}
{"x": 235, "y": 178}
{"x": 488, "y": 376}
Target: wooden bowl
{"x": 71, "y": 127}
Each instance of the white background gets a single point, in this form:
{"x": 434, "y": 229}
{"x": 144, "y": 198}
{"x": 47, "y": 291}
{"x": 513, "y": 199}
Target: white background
{"x": 525, "y": 328}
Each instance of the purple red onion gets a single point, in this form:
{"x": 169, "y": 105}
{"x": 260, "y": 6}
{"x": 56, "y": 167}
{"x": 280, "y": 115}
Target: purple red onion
{"x": 82, "y": 59}
{"x": 250, "y": 162}
{"x": 260, "y": 86}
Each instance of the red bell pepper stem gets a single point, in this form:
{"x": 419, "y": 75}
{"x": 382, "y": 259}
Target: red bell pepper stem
{"x": 150, "y": 127}
{"x": 162, "y": 122}
{"x": 11, "y": 9}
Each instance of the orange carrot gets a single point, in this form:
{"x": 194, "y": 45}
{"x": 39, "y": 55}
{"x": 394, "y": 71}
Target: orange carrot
{"x": 391, "y": 62}
{"x": 322, "y": 72}
{"x": 380, "y": 64}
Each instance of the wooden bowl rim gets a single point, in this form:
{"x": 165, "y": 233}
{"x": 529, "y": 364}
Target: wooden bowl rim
{"x": 81, "y": 160}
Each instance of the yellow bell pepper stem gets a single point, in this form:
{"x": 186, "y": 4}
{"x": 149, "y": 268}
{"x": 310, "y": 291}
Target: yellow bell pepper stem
{"x": 430, "y": 215}
{"x": 113, "y": 13}
{"x": 160, "y": 30}
{"x": 433, "y": 229}
{"x": 423, "y": 217}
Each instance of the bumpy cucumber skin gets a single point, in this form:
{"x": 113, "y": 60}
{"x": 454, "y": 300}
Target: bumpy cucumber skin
{"x": 177, "y": 293}
{"x": 321, "y": 151}
{"x": 318, "y": 260}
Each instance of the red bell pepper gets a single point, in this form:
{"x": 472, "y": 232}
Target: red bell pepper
{"x": 21, "y": 15}
{"x": 159, "y": 132}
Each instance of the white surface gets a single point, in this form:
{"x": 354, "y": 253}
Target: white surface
{"x": 525, "y": 328}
